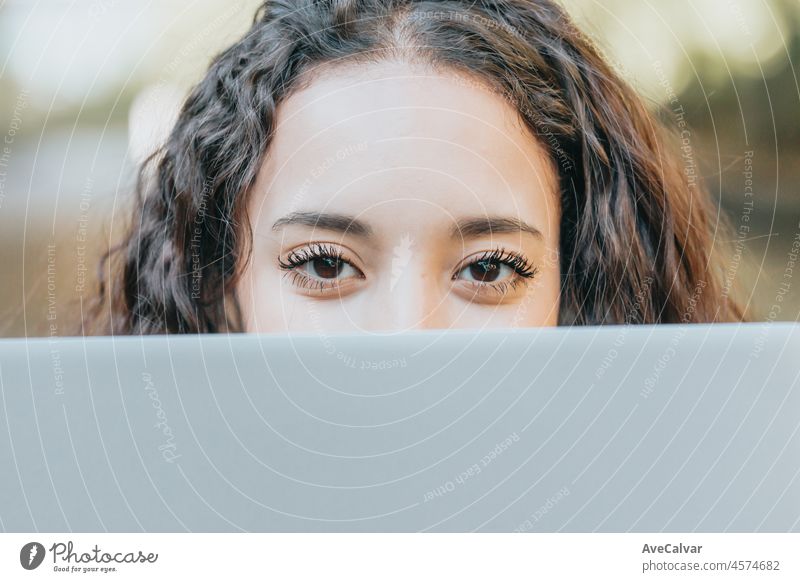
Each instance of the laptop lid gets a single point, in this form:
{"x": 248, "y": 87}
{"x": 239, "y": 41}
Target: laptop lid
{"x": 614, "y": 428}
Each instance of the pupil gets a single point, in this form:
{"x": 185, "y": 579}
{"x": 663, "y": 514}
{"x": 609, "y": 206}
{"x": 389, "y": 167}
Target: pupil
{"x": 486, "y": 271}
{"x": 327, "y": 267}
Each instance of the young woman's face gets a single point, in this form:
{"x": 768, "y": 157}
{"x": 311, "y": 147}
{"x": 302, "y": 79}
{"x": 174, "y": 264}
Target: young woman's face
{"x": 395, "y": 198}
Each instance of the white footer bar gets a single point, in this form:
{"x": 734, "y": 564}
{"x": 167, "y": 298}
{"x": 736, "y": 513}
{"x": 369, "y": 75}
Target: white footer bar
{"x": 400, "y": 557}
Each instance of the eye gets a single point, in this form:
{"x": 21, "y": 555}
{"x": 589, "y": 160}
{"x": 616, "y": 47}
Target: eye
{"x": 318, "y": 266}
{"x": 497, "y": 270}
{"x": 487, "y": 271}
{"x": 327, "y": 267}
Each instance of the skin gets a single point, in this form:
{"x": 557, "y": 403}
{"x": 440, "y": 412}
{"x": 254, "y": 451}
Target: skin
{"x": 398, "y": 168}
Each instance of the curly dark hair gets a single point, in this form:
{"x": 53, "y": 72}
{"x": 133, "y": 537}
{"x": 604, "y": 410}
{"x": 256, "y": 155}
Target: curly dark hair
{"x": 637, "y": 230}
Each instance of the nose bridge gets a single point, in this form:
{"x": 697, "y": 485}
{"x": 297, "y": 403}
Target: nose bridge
{"x": 411, "y": 298}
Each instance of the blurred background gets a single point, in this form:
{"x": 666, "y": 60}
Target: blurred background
{"x": 88, "y": 86}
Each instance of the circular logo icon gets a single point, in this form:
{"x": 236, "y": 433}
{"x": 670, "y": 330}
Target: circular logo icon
{"x": 31, "y": 555}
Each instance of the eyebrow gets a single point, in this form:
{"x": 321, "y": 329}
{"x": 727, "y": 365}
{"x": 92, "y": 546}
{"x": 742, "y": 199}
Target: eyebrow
{"x": 464, "y": 228}
{"x": 472, "y": 227}
{"x": 326, "y": 221}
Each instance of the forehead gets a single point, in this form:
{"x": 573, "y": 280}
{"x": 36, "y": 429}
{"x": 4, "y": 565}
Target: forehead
{"x": 375, "y": 135}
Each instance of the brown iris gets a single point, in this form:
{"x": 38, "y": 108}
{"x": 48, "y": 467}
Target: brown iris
{"x": 485, "y": 271}
{"x": 327, "y": 267}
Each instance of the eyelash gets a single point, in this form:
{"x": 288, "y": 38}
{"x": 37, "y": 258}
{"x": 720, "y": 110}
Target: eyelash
{"x": 523, "y": 269}
{"x": 320, "y": 251}
{"x": 297, "y": 258}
